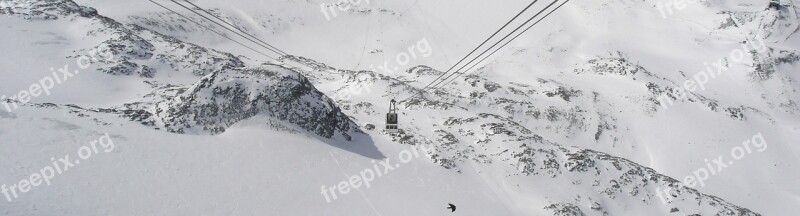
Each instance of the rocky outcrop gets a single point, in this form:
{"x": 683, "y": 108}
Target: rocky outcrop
{"x": 227, "y": 96}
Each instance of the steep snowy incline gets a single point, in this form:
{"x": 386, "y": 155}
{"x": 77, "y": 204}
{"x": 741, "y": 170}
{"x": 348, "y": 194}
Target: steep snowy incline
{"x": 248, "y": 170}
{"x": 622, "y": 94}
{"x": 60, "y": 35}
{"x": 587, "y": 115}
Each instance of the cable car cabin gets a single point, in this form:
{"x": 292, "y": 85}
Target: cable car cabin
{"x": 391, "y": 117}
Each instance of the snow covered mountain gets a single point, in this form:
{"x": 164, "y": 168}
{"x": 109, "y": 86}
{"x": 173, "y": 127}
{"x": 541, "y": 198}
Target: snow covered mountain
{"x": 606, "y": 108}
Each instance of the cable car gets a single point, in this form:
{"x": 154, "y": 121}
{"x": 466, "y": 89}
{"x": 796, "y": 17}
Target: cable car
{"x": 391, "y": 117}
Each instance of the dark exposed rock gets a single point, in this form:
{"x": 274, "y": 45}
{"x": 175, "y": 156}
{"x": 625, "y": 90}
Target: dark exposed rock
{"x": 225, "y": 97}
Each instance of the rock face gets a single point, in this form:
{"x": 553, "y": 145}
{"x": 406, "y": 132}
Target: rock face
{"x": 227, "y": 96}
{"x": 616, "y": 178}
{"x": 45, "y": 10}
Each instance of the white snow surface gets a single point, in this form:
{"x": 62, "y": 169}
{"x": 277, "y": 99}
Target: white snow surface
{"x": 581, "y": 84}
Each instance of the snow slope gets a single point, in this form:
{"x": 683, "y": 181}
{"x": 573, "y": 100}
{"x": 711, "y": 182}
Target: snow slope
{"x": 567, "y": 121}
